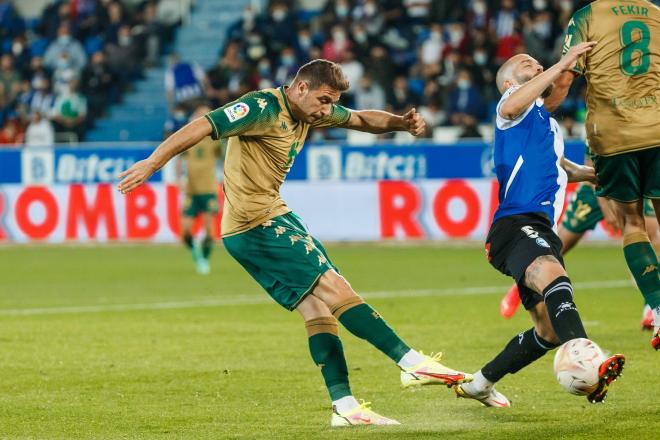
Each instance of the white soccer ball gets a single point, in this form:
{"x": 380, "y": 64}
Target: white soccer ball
{"x": 576, "y": 366}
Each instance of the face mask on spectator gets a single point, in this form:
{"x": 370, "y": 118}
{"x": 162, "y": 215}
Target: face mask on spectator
{"x": 370, "y": 9}
{"x": 65, "y": 39}
{"x": 264, "y": 68}
{"x": 480, "y": 58}
{"x": 17, "y": 48}
{"x": 540, "y": 5}
{"x": 288, "y": 60}
{"x": 360, "y": 37}
{"x": 456, "y": 35}
{"x": 542, "y": 28}
{"x": 339, "y": 36}
{"x": 279, "y": 14}
{"x": 463, "y": 84}
{"x": 436, "y": 36}
{"x": 566, "y": 5}
{"x": 479, "y": 7}
{"x": 179, "y": 115}
{"x": 305, "y": 41}
{"x": 124, "y": 40}
{"x": 341, "y": 11}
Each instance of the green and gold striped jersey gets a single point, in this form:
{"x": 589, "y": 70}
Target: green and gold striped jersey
{"x": 622, "y": 73}
{"x": 200, "y": 164}
{"x": 264, "y": 139}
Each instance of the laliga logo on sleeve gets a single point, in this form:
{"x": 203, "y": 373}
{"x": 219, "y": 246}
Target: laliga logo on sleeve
{"x": 237, "y": 111}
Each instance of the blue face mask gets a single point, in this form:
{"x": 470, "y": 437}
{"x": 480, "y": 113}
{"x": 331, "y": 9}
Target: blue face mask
{"x": 288, "y": 60}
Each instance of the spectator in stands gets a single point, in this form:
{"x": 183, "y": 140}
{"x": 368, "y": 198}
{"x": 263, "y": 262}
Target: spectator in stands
{"x": 38, "y": 97}
{"x": 303, "y": 44}
{"x": 40, "y": 132}
{"x": 12, "y": 132}
{"x": 353, "y": 70}
{"x": 99, "y": 85}
{"x": 20, "y": 51}
{"x": 65, "y": 46}
{"x": 431, "y": 108}
{"x": 369, "y": 94}
{"x": 9, "y": 78}
{"x": 431, "y": 51}
{"x": 70, "y": 111}
{"x": 184, "y": 83}
{"x": 280, "y": 27}
{"x": 287, "y": 66}
{"x": 335, "y": 48}
{"x": 225, "y": 80}
{"x": 464, "y": 99}
{"x": 370, "y": 16}
{"x": 469, "y": 127}
{"x": 123, "y": 57}
{"x": 380, "y": 67}
{"x": 63, "y": 73}
{"x": 362, "y": 42}
{"x": 504, "y": 21}
{"x": 177, "y": 119}
{"x": 402, "y": 98}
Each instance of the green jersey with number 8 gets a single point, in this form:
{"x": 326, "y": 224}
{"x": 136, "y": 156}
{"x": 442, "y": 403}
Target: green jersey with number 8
{"x": 622, "y": 72}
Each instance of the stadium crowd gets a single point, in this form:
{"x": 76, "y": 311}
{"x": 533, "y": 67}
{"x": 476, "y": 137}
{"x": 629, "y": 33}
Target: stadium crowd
{"x": 60, "y": 72}
{"x": 440, "y": 56}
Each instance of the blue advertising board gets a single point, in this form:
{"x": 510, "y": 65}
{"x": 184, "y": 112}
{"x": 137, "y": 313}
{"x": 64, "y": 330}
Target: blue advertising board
{"x": 65, "y": 165}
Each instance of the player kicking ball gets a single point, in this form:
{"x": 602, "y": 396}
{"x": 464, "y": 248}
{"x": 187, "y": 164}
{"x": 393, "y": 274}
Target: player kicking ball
{"x": 266, "y": 129}
{"x": 522, "y": 243}
{"x": 201, "y": 189}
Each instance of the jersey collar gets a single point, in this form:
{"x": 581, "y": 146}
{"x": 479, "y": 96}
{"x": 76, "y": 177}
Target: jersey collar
{"x": 286, "y": 103}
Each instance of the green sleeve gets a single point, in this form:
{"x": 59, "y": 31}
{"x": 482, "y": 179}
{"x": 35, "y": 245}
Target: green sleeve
{"x": 249, "y": 115}
{"x": 577, "y": 32}
{"x": 337, "y": 117}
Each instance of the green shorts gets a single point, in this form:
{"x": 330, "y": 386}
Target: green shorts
{"x": 630, "y": 176}
{"x": 583, "y": 213}
{"x": 282, "y": 257}
{"x": 199, "y": 203}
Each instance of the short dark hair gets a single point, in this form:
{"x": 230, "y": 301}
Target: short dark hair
{"x": 319, "y": 72}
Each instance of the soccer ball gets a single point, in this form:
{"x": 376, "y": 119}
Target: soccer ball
{"x": 576, "y": 366}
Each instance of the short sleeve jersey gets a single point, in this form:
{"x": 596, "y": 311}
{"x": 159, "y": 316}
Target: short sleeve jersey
{"x": 200, "y": 165}
{"x": 264, "y": 139}
{"x": 622, "y": 73}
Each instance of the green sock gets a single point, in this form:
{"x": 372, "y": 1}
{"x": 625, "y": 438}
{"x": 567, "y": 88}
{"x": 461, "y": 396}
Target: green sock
{"x": 364, "y": 322}
{"x": 643, "y": 264}
{"x": 207, "y": 247}
{"x": 328, "y": 353}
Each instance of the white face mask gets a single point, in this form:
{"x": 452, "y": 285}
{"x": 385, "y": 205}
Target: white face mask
{"x": 543, "y": 28}
{"x": 479, "y": 8}
{"x": 436, "y": 36}
{"x": 463, "y": 84}
{"x": 339, "y": 36}
{"x": 279, "y": 15}
{"x": 341, "y": 11}
{"x": 540, "y": 5}
{"x": 64, "y": 38}
{"x": 370, "y": 9}
{"x": 480, "y": 58}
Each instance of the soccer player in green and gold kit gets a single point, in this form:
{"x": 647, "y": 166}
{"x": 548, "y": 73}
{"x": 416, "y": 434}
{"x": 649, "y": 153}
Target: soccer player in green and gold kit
{"x": 623, "y": 120}
{"x": 266, "y": 130}
{"x": 201, "y": 189}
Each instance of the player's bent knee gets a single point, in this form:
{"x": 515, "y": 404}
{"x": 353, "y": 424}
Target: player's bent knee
{"x": 543, "y": 271}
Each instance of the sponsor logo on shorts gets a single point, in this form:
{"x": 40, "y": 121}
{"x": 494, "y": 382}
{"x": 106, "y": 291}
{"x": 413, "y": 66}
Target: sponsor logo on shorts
{"x": 237, "y": 111}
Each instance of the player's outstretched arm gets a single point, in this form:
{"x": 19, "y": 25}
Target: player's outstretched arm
{"x": 559, "y": 91}
{"x": 378, "y": 121}
{"x": 521, "y": 99}
{"x": 180, "y": 141}
{"x": 578, "y": 173}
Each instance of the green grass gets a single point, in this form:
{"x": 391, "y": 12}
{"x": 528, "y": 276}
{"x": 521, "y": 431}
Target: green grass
{"x": 219, "y": 360}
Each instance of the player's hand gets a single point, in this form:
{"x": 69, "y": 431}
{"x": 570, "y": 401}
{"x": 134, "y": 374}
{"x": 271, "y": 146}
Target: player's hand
{"x": 135, "y": 176}
{"x": 587, "y": 174}
{"x": 569, "y": 60}
{"x": 414, "y": 123}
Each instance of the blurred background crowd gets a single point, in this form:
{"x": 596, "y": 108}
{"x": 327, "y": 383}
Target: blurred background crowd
{"x": 62, "y": 71}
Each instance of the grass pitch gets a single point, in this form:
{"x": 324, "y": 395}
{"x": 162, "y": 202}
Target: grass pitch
{"x": 129, "y": 343}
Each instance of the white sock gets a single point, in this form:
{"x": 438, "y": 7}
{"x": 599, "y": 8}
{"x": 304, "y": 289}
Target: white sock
{"x": 345, "y": 404}
{"x": 480, "y": 383}
{"x": 411, "y": 359}
{"x": 656, "y": 316}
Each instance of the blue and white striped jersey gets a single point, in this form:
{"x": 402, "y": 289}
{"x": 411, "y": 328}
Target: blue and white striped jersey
{"x": 528, "y": 152}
